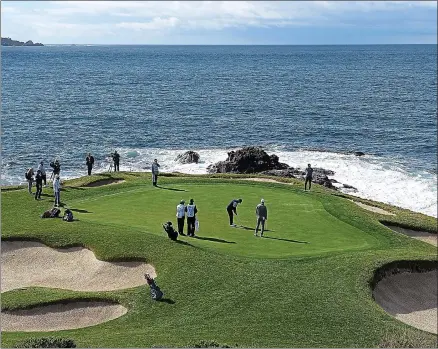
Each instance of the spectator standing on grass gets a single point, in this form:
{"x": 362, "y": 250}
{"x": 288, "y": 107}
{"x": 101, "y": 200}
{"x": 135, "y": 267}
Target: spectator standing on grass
{"x": 309, "y": 177}
{"x": 56, "y": 168}
{"x": 116, "y": 159}
{"x": 43, "y": 171}
{"x": 180, "y": 216}
{"x": 231, "y": 209}
{"x": 29, "y": 179}
{"x": 262, "y": 217}
{"x": 155, "y": 166}
{"x": 90, "y": 162}
{"x": 57, "y": 190}
{"x": 191, "y": 210}
{"x": 38, "y": 185}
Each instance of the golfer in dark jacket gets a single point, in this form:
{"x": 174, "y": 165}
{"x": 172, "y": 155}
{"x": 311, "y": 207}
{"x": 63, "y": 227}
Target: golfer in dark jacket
{"x": 262, "y": 216}
{"x": 231, "y": 209}
{"x": 90, "y": 163}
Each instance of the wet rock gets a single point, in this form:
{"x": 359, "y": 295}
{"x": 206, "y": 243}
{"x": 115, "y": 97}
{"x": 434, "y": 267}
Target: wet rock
{"x": 359, "y": 153}
{"x": 247, "y": 160}
{"x": 189, "y": 157}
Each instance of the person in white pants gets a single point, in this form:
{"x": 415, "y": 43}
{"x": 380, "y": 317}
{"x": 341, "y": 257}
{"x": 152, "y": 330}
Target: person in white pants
{"x": 180, "y": 216}
{"x": 57, "y": 190}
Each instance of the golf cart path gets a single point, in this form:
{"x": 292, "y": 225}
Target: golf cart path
{"x": 28, "y": 263}
{"x": 59, "y": 316}
{"x": 410, "y": 298}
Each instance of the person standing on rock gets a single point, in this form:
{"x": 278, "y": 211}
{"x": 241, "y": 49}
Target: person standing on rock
{"x": 90, "y": 162}
{"x": 155, "y": 166}
{"x": 38, "y": 185}
{"x": 231, "y": 209}
{"x": 43, "y": 172}
{"x": 191, "y": 218}
{"x": 180, "y": 216}
{"x": 309, "y": 177}
{"x": 262, "y": 217}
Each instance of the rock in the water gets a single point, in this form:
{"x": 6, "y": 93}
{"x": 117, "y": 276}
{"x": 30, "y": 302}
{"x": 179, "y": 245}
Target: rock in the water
{"x": 247, "y": 160}
{"x": 188, "y": 157}
{"x": 359, "y": 153}
{"x": 348, "y": 186}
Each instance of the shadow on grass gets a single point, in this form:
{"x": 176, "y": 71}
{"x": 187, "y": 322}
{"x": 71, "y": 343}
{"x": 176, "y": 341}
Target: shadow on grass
{"x": 174, "y": 189}
{"x": 249, "y": 228}
{"x": 295, "y": 241}
{"x": 184, "y": 243}
{"x": 167, "y": 300}
{"x": 80, "y": 211}
{"x": 75, "y": 188}
{"x": 214, "y": 240}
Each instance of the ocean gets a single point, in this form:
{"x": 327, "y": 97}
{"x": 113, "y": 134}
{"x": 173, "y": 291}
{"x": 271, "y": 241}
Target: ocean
{"x": 307, "y": 104}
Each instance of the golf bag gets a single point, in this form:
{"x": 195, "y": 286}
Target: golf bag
{"x": 68, "y": 216}
{"x": 171, "y": 232}
{"x": 156, "y": 293}
{"x": 53, "y": 213}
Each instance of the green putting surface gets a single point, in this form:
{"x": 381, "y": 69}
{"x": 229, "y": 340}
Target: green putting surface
{"x": 305, "y": 284}
{"x": 297, "y": 225}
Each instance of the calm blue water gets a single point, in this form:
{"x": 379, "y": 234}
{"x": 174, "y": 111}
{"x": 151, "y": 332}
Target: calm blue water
{"x": 63, "y": 101}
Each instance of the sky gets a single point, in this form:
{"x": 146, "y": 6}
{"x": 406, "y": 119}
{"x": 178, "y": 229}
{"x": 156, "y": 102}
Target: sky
{"x": 221, "y": 22}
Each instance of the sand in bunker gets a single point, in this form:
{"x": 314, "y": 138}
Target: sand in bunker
{"x": 58, "y": 316}
{"x": 416, "y": 234}
{"x": 26, "y": 263}
{"x": 411, "y": 298}
{"x": 373, "y": 209}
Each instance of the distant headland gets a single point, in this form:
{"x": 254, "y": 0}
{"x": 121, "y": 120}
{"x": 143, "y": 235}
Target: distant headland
{"x": 10, "y": 42}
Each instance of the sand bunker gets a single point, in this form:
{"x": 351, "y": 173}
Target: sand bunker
{"x": 59, "y": 316}
{"x": 269, "y": 180}
{"x": 373, "y": 209}
{"x": 416, "y": 234}
{"x": 411, "y": 298}
{"x": 102, "y": 182}
{"x": 26, "y": 263}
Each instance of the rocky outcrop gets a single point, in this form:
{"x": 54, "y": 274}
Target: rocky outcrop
{"x": 10, "y": 42}
{"x": 247, "y": 160}
{"x": 359, "y": 153}
{"x": 189, "y": 157}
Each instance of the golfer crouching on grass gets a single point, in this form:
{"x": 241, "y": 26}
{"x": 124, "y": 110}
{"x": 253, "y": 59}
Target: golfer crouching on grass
{"x": 262, "y": 216}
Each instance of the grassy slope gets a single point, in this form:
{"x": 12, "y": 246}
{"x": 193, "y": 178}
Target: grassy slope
{"x": 322, "y": 300}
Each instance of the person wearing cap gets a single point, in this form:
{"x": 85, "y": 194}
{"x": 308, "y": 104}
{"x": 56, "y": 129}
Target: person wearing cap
{"x": 262, "y": 216}
{"x": 57, "y": 190}
{"x": 231, "y": 209}
{"x": 155, "y": 166}
{"x": 180, "y": 216}
{"x": 90, "y": 162}
{"x": 43, "y": 172}
{"x": 191, "y": 218}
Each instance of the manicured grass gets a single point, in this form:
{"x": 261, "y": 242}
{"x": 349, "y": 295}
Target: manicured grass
{"x": 252, "y": 292}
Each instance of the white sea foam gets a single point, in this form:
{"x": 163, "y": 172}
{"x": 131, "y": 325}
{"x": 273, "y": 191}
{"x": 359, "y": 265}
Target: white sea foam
{"x": 376, "y": 178}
